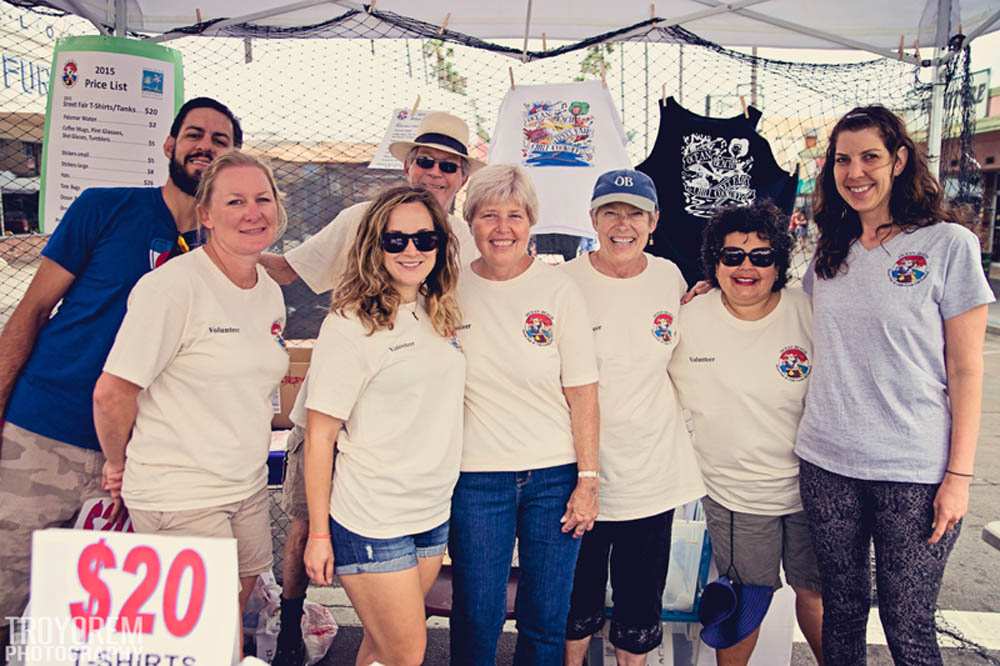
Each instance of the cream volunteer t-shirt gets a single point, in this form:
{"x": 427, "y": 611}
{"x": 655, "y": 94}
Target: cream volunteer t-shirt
{"x": 647, "y": 463}
{"x": 208, "y": 356}
{"x": 744, "y": 383}
{"x": 399, "y": 393}
{"x": 524, "y": 340}
{"x": 321, "y": 258}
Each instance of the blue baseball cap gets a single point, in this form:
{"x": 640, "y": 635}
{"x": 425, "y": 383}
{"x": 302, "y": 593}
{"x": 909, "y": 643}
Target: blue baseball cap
{"x": 730, "y": 612}
{"x": 625, "y": 186}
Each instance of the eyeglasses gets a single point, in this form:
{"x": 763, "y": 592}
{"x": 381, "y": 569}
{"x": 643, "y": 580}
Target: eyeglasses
{"x": 762, "y": 257}
{"x": 428, "y": 163}
{"x": 395, "y": 242}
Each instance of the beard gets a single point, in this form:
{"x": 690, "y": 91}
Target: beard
{"x": 184, "y": 181}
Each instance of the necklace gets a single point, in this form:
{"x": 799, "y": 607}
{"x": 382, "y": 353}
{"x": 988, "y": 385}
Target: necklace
{"x": 241, "y": 282}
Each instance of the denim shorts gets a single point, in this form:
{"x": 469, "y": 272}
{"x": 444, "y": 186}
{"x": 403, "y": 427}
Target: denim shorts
{"x": 354, "y": 553}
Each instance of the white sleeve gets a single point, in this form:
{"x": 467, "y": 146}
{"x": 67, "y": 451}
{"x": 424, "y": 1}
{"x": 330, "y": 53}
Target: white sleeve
{"x": 338, "y": 372}
{"x": 150, "y": 335}
{"x": 575, "y": 338}
{"x": 321, "y": 259}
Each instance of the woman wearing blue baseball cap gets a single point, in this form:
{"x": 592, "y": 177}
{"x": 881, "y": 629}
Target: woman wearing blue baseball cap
{"x": 647, "y": 465}
{"x": 742, "y": 367}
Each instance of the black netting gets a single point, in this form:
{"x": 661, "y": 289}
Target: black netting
{"x": 317, "y": 108}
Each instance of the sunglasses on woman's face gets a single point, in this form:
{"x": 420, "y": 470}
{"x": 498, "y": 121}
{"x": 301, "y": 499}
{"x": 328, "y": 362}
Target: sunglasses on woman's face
{"x": 762, "y": 257}
{"x": 428, "y": 163}
{"x": 395, "y": 242}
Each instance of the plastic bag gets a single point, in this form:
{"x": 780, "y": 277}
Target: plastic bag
{"x": 686, "y": 541}
{"x": 262, "y": 615}
{"x": 318, "y": 630}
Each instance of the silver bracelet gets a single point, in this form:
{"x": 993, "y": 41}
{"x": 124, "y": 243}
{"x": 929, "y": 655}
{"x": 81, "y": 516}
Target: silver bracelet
{"x": 588, "y": 474}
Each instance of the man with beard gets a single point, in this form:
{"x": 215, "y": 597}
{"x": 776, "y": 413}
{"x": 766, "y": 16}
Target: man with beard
{"x": 50, "y": 458}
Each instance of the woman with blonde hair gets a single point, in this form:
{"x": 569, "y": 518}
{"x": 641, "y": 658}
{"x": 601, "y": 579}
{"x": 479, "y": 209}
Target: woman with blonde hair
{"x": 385, "y": 392}
{"x": 183, "y": 407}
{"x": 529, "y": 462}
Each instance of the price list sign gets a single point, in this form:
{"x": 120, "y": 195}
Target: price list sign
{"x": 402, "y": 127}
{"x": 102, "y": 598}
{"x": 110, "y": 105}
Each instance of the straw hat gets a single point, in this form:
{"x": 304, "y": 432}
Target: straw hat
{"x": 440, "y": 131}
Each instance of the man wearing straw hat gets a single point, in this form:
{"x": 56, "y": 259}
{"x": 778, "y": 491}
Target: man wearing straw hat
{"x": 438, "y": 160}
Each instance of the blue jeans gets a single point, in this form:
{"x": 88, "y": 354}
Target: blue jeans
{"x": 488, "y": 509}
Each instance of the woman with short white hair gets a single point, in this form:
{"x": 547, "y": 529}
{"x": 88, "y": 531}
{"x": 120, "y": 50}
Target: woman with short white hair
{"x": 529, "y": 459}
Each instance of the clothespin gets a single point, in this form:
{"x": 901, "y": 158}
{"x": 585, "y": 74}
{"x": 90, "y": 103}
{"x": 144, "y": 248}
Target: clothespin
{"x": 652, "y": 10}
{"x": 604, "y": 80}
{"x": 663, "y": 96}
{"x": 743, "y": 103}
{"x": 371, "y": 6}
{"x": 197, "y": 14}
{"x": 444, "y": 24}
{"x": 416, "y": 103}
{"x": 545, "y": 45}
{"x": 900, "y": 51}
{"x": 916, "y": 47}
{"x": 247, "y": 50}
{"x": 510, "y": 70}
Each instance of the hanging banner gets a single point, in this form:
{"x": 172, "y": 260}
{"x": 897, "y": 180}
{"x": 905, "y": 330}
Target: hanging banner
{"x": 140, "y": 599}
{"x": 110, "y": 105}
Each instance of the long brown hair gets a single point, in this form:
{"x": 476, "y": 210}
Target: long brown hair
{"x": 916, "y": 199}
{"x": 366, "y": 290}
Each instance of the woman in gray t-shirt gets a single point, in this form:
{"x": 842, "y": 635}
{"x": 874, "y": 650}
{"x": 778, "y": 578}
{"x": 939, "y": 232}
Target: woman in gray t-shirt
{"x": 889, "y": 433}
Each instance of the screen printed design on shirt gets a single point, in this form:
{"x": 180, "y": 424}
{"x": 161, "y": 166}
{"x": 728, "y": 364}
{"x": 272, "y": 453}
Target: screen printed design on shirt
{"x": 909, "y": 269}
{"x": 716, "y": 173}
{"x": 558, "y": 134}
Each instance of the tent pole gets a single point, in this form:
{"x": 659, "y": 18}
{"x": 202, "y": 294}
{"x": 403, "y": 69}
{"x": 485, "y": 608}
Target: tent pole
{"x": 936, "y": 120}
{"x": 121, "y": 18}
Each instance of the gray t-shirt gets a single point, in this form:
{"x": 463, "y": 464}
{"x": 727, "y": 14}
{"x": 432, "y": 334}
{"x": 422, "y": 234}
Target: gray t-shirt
{"x": 877, "y": 406}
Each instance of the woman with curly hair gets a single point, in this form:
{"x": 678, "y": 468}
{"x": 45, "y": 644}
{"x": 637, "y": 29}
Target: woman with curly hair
{"x": 742, "y": 366}
{"x": 889, "y": 433}
{"x": 385, "y": 391}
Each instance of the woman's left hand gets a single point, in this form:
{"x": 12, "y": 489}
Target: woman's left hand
{"x": 950, "y": 504}
{"x": 581, "y": 509}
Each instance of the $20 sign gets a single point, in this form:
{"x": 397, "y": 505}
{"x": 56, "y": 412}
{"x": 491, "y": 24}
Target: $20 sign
{"x": 161, "y": 599}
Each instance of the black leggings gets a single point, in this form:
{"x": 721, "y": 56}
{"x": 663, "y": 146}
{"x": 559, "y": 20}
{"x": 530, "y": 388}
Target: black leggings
{"x": 845, "y": 516}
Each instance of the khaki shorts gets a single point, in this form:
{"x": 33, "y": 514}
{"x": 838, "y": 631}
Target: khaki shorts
{"x": 248, "y": 521}
{"x": 43, "y": 483}
{"x": 762, "y": 543}
{"x": 293, "y": 483}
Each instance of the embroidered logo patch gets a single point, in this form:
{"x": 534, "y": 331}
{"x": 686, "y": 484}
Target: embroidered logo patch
{"x": 909, "y": 269}
{"x": 159, "y": 252}
{"x": 662, "y": 321}
{"x": 538, "y": 328}
{"x": 793, "y": 363}
{"x": 277, "y": 327}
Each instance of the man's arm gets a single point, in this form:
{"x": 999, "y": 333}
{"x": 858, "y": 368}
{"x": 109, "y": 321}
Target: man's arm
{"x": 278, "y": 268}
{"x": 115, "y": 407}
{"x": 47, "y": 288}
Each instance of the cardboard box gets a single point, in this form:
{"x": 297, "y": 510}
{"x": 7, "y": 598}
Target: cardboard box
{"x": 299, "y": 353}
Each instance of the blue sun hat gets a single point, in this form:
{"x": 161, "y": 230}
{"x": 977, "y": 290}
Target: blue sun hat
{"x": 731, "y": 610}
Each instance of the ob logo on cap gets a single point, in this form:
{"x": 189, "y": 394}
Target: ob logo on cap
{"x": 625, "y": 186}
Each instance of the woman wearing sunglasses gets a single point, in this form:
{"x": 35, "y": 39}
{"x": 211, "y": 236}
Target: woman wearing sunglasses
{"x": 385, "y": 391}
{"x": 741, "y": 367}
{"x": 529, "y": 457}
{"x": 888, "y": 438}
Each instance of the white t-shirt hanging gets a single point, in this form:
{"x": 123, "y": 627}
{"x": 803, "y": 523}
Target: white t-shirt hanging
{"x": 208, "y": 356}
{"x": 566, "y": 135}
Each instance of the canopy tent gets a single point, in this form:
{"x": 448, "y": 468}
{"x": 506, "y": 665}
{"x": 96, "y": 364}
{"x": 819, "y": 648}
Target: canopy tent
{"x": 855, "y": 24}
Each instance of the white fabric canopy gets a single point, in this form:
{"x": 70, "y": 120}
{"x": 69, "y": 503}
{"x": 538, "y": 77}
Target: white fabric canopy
{"x": 864, "y": 24}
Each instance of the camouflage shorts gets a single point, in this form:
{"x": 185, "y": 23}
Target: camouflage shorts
{"x": 293, "y": 483}
{"x": 43, "y": 483}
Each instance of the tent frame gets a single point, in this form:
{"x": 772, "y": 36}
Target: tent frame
{"x": 943, "y": 54}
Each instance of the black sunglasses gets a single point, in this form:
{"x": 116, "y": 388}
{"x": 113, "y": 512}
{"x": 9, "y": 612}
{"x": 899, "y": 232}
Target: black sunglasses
{"x": 395, "y": 242}
{"x": 428, "y": 163}
{"x": 762, "y": 257}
